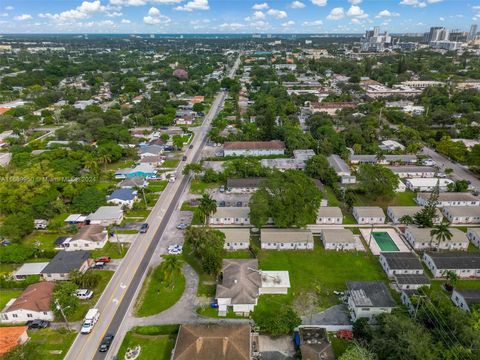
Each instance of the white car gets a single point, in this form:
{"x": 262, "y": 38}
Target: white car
{"x": 84, "y": 294}
{"x": 428, "y": 162}
{"x": 175, "y": 249}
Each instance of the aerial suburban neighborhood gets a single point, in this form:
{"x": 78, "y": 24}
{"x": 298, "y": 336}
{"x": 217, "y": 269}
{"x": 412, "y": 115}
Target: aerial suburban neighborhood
{"x": 262, "y": 188}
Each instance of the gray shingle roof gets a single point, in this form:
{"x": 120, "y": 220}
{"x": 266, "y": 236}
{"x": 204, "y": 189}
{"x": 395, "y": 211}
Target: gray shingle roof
{"x": 66, "y": 261}
{"x": 416, "y": 279}
{"x": 370, "y": 294}
{"x": 240, "y": 283}
{"x": 455, "y": 260}
{"x": 402, "y": 260}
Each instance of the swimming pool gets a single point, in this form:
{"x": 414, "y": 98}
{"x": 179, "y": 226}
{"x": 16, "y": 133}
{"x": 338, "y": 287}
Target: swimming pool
{"x": 384, "y": 241}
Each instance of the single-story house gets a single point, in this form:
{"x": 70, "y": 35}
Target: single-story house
{"x": 329, "y": 215}
{"x": 11, "y": 337}
{"x": 331, "y": 108}
{"x": 464, "y": 264}
{"x": 450, "y": 199}
{"x": 386, "y": 159}
{"x": 473, "y": 234}
{"x": 123, "y": 197}
{"x": 466, "y": 298}
{"x": 368, "y": 214}
{"x": 133, "y": 182}
{"x": 253, "y": 148}
{"x": 32, "y": 304}
{"x": 420, "y": 239}
{"x": 151, "y": 150}
{"x": 395, "y": 213}
{"x": 106, "y": 215}
{"x": 411, "y": 282}
{"x": 341, "y": 169}
{"x": 29, "y": 269}
{"x": 428, "y": 184}
{"x": 230, "y": 216}
{"x": 74, "y": 219}
{"x": 367, "y": 299}
{"x": 241, "y": 283}
{"x": 338, "y": 239}
{"x": 243, "y": 186}
{"x": 236, "y": 239}
{"x": 314, "y": 343}
{"x": 462, "y": 214}
{"x": 88, "y": 237}
{"x": 213, "y": 341}
{"x": 400, "y": 263}
{"x": 64, "y": 262}
{"x": 145, "y": 170}
{"x": 286, "y": 239}
{"x": 413, "y": 171}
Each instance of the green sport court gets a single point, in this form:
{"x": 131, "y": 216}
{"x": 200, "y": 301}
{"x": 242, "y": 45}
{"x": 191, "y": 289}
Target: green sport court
{"x": 384, "y": 241}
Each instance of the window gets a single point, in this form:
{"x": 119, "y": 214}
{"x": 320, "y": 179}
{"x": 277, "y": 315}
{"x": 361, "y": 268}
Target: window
{"x": 29, "y": 315}
{"x": 45, "y": 313}
{"x": 15, "y": 315}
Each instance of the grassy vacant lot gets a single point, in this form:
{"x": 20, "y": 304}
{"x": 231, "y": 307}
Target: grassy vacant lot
{"x": 157, "y": 186}
{"x": 156, "y": 295}
{"x": 406, "y": 198}
{"x": 320, "y": 271}
{"x": 6, "y": 295}
{"x": 111, "y": 249}
{"x": 46, "y": 239}
{"x": 170, "y": 163}
{"x": 7, "y": 268}
{"x": 105, "y": 277}
{"x": 198, "y": 187}
{"x": 50, "y": 341}
{"x": 206, "y": 285}
{"x": 156, "y": 342}
{"x": 197, "y": 216}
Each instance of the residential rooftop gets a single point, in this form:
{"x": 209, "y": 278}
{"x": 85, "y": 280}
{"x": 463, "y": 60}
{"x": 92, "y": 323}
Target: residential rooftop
{"x": 286, "y": 236}
{"x": 370, "y": 294}
{"x": 455, "y": 260}
{"x": 402, "y": 260}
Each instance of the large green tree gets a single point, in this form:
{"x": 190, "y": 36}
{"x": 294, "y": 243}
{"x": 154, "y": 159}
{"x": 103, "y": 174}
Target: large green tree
{"x": 206, "y": 244}
{"x": 318, "y": 167}
{"x": 377, "y": 181}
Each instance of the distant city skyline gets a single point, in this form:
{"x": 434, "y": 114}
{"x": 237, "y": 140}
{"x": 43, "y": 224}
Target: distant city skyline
{"x": 234, "y": 16}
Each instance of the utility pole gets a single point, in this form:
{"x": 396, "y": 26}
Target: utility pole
{"x": 59, "y": 307}
{"x": 420, "y": 297}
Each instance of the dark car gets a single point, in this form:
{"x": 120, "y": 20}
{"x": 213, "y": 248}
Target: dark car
{"x": 184, "y": 158}
{"x": 37, "y": 324}
{"x": 106, "y": 342}
{"x": 143, "y": 228}
{"x": 190, "y": 147}
{"x": 98, "y": 265}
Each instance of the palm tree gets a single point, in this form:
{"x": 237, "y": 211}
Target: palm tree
{"x": 441, "y": 232}
{"x": 91, "y": 164}
{"x": 452, "y": 278}
{"x": 171, "y": 266}
{"x": 105, "y": 159}
{"x": 207, "y": 206}
{"x": 379, "y": 156}
{"x": 406, "y": 220}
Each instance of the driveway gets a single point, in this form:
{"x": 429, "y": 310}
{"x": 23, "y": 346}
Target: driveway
{"x": 460, "y": 172}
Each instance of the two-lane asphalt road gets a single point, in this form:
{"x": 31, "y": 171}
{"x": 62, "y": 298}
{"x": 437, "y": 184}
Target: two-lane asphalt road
{"x": 120, "y": 291}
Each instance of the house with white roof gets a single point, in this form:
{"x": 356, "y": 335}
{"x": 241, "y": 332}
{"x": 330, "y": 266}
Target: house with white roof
{"x": 106, "y": 216}
{"x": 341, "y": 169}
{"x": 413, "y": 171}
{"x": 462, "y": 214}
{"x": 450, "y": 199}
{"x": 338, "y": 239}
{"x": 329, "y": 215}
{"x": 230, "y": 216}
{"x": 473, "y": 234}
{"x": 368, "y": 214}
{"x": 395, "y": 213}
{"x": 428, "y": 184}
{"x": 236, "y": 238}
{"x": 420, "y": 239}
{"x": 29, "y": 269}
{"x": 88, "y": 237}
{"x": 286, "y": 239}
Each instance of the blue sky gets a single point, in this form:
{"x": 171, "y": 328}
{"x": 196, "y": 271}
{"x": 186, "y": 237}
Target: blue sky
{"x": 233, "y": 16}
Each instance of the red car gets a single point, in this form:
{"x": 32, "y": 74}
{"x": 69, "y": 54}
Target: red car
{"x": 104, "y": 259}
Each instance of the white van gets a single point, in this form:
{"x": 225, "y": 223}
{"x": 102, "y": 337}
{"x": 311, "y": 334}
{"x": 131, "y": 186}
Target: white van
{"x": 90, "y": 321}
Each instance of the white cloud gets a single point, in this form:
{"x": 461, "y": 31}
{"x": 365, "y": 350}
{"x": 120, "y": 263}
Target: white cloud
{"x": 9, "y": 8}
{"x": 279, "y": 14}
{"x": 166, "y": 2}
{"x": 356, "y": 21}
{"x": 3, "y": 14}
{"x": 319, "y": 2}
{"x": 83, "y": 11}
{"x": 441, "y": 18}
{"x": 313, "y": 23}
{"x": 356, "y": 11}
{"x": 155, "y": 17}
{"x": 200, "y": 21}
{"x": 194, "y": 5}
{"x": 125, "y": 21}
{"x": 414, "y": 3}
{"x": 288, "y": 23}
{"x": 260, "y": 6}
{"x": 297, "y": 5}
{"x": 257, "y": 15}
{"x": 433, "y": 1}
{"x": 260, "y": 25}
{"x": 336, "y": 14}
{"x": 231, "y": 26}
{"x": 128, "y": 2}
{"x": 114, "y": 14}
{"x": 354, "y": 2}
{"x": 386, "y": 13}
{"x": 91, "y": 7}
{"x": 23, "y": 17}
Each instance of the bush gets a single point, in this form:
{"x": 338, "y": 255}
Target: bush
{"x": 276, "y": 322}
{"x": 16, "y": 254}
{"x": 6, "y": 283}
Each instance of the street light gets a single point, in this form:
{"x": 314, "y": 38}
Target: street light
{"x": 59, "y": 307}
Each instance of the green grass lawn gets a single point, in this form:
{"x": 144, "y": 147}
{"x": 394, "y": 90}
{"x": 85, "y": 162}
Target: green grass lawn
{"x": 198, "y": 187}
{"x": 119, "y": 164}
{"x": 206, "y": 284}
{"x": 157, "y": 186}
{"x": 7, "y": 268}
{"x": 46, "y": 239}
{"x": 406, "y": 198}
{"x": 238, "y": 254}
{"x": 79, "y": 314}
{"x": 339, "y": 346}
{"x": 137, "y": 213}
{"x": 197, "y": 218}
{"x": 320, "y": 271}
{"x": 7, "y": 294}
{"x": 50, "y": 341}
{"x": 111, "y": 249}
{"x": 331, "y": 198}
{"x": 170, "y": 163}
{"x": 349, "y": 219}
{"x": 156, "y": 342}
{"x": 157, "y": 296}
